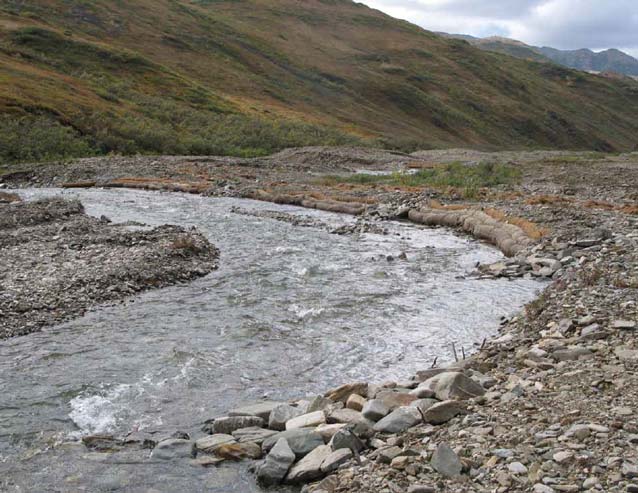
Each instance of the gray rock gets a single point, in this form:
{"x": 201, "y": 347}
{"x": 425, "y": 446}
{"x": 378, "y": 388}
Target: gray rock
{"x": 227, "y": 425}
{"x": 318, "y": 403}
{"x": 302, "y": 441}
{"x": 394, "y": 399}
{"x": 424, "y": 375}
{"x": 349, "y": 416}
{"x": 421, "y": 488}
{"x": 306, "y": 420}
{"x": 208, "y": 444}
{"x": 309, "y": 468}
{"x": 253, "y": 434}
{"x": 276, "y": 465}
{"x": 281, "y": 414}
{"x": 422, "y": 392}
{"x": 386, "y": 455}
{"x": 346, "y": 439}
{"x": 442, "y": 412}
{"x": 335, "y": 459}
{"x": 446, "y": 462}
{"x": 259, "y": 409}
{"x": 375, "y": 410}
{"x": 173, "y": 448}
{"x": 626, "y": 354}
{"x": 592, "y": 332}
{"x": 454, "y": 385}
{"x": 424, "y": 404}
{"x": 342, "y": 393}
{"x": 399, "y": 420}
{"x": 572, "y": 354}
{"x": 623, "y": 325}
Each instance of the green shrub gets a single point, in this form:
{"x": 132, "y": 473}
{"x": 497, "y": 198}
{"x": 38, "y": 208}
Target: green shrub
{"x": 39, "y": 139}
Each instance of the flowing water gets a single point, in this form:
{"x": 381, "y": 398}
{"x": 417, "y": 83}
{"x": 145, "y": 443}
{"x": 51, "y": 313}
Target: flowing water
{"x": 291, "y": 311}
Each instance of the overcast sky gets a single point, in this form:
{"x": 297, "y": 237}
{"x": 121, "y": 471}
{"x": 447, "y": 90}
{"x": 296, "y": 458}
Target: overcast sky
{"x": 565, "y": 24}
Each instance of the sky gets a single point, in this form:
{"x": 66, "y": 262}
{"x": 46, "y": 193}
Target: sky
{"x": 563, "y": 24}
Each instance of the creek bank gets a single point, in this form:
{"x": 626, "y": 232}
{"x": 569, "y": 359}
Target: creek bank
{"x": 548, "y": 406}
{"x": 558, "y": 412}
{"x": 57, "y": 262}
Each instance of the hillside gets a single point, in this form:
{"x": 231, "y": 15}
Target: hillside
{"x": 247, "y": 77}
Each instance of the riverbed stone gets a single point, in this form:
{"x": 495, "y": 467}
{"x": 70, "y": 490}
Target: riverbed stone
{"x": 446, "y": 462}
{"x": 208, "y": 444}
{"x": 424, "y": 404}
{"x": 375, "y": 410}
{"x": 341, "y": 394}
{"x": 173, "y": 448}
{"x": 228, "y": 424}
{"x": 318, "y": 403}
{"x": 278, "y": 461}
{"x": 346, "y": 439}
{"x": 349, "y": 416}
{"x": 454, "y": 385}
{"x": 253, "y": 434}
{"x": 281, "y": 414}
{"x": 399, "y": 420}
{"x": 238, "y": 451}
{"x": 442, "y": 412}
{"x": 309, "y": 468}
{"x": 393, "y": 399}
{"x": 328, "y": 431}
{"x": 302, "y": 441}
{"x": 306, "y": 420}
{"x": 336, "y": 459}
{"x": 356, "y": 402}
{"x": 259, "y": 409}
{"x": 387, "y": 455}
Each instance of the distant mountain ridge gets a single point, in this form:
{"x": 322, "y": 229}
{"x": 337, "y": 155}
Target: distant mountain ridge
{"x": 612, "y": 60}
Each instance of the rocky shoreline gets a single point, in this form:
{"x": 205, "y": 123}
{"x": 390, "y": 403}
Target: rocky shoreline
{"x": 548, "y": 406}
{"x": 58, "y": 262}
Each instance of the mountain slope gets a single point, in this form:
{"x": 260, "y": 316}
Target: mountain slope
{"x": 251, "y": 76}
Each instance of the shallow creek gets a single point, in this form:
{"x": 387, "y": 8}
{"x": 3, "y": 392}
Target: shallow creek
{"x": 291, "y": 311}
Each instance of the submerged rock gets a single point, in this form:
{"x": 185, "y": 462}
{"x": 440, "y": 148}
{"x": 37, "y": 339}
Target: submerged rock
{"x": 173, "y": 448}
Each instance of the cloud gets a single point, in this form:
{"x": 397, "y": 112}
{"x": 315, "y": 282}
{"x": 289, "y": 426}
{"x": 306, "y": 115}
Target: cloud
{"x": 565, "y": 24}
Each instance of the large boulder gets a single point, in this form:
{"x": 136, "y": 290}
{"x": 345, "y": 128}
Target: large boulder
{"x": 454, "y": 385}
{"x": 346, "y": 439}
{"x": 309, "y": 468}
{"x": 399, "y": 420}
{"x": 278, "y": 461}
{"x": 302, "y": 441}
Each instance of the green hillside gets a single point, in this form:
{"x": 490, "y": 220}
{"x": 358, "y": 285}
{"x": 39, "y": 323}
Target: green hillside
{"x": 247, "y": 77}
